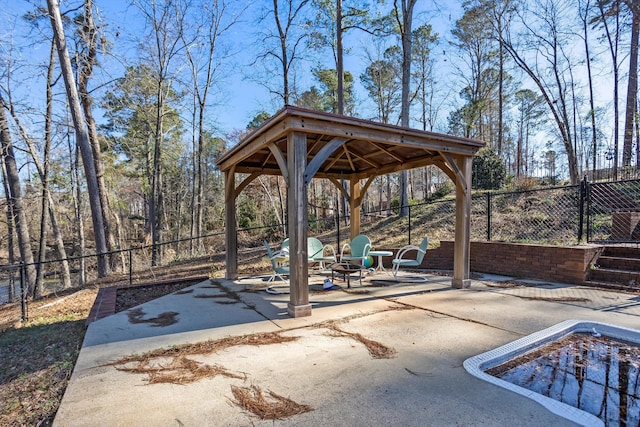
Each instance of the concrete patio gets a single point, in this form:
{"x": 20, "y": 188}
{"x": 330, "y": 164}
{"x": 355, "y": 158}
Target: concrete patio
{"x": 428, "y": 328}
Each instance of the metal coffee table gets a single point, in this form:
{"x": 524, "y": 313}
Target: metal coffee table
{"x": 346, "y": 269}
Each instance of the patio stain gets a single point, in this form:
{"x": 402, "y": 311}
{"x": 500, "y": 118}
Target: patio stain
{"x": 211, "y": 296}
{"x": 355, "y": 291}
{"x": 555, "y": 299}
{"x": 183, "y": 292}
{"x": 163, "y": 319}
{"x": 253, "y": 400}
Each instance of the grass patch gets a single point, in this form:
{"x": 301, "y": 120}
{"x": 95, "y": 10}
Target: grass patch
{"x": 37, "y": 359}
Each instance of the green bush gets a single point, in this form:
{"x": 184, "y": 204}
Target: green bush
{"x": 395, "y": 204}
{"x": 442, "y": 191}
{"x": 489, "y": 172}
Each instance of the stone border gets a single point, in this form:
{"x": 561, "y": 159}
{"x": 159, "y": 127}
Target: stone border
{"x": 478, "y": 364}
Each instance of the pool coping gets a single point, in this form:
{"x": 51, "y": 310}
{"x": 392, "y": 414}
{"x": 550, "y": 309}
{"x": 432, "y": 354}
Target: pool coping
{"x": 476, "y": 365}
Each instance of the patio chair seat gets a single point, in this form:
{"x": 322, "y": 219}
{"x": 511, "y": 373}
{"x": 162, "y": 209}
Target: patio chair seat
{"x": 359, "y": 247}
{"x": 399, "y": 261}
{"x": 316, "y": 252}
{"x": 279, "y": 263}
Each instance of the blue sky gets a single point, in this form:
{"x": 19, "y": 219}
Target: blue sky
{"x": 241, "y": 98}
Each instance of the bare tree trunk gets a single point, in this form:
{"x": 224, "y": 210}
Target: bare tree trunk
{"x": 272, "y": 201}
{"x": 13, "y": 184}
{"x": 404, "y": 23}
{"x": 155, "y": 201}
{"x": 637, "y": 127}
{"x": 10, "y": 229}
{"x": 43, "y": 173}
{"x": 339, "y": 57}
{"x": 78, "y": 205}
{"x": 57, "y": 234}
{"x": 283, "y": 213}
{"x": 592, "y": 111}
{"x": 632, "y": 87}
{"x": 557, "y": 101}
{"x": 613, "y": 48}
{"x": 388, "y": 195}
{"x": 195, "y": 207}
{"x": 42, "y": 249}
{"x": 89, "y": 35}
{"x": 82, "y": 137}
{"x": 284, "y": 60}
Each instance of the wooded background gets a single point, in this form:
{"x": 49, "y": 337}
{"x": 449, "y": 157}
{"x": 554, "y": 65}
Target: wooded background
{"x": 110, "y": 128}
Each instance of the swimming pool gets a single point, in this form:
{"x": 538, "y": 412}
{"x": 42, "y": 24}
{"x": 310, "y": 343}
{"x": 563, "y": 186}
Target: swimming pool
{"x": 479, "y": 365}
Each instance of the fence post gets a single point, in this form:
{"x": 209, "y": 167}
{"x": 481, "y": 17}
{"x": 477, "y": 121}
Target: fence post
{"x": 409, "y": 224}
{"x": 338, "y": 223}
{"x": 130, "y": 267}
{"x": 23, "y": 291}
{"x": 583, "y": 187}
{"x": 489, "y": 217}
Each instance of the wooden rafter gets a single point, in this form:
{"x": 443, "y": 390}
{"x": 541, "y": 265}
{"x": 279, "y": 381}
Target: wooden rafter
{"x": 387, "y": 152}
{"x": 346, "y": 153}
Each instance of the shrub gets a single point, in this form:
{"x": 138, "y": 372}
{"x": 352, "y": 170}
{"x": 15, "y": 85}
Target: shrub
{"x": 489, "y": 172}
{"x": 442, "y": 191}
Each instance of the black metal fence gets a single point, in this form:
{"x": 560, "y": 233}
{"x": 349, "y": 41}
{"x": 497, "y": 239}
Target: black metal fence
{"x": 568, "y": 215}
{"x": 613, "y": 212}
{"x": 592, "y": 212}
{"x": 129, "y": 263}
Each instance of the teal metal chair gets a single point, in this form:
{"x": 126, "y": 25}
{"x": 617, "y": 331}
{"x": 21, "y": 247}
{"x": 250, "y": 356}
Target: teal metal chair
{"x": 317, "y": 252}
{"x": 279, "y": 262}
{"x": 358, "y": 249}
{"x": 399, "y": 261}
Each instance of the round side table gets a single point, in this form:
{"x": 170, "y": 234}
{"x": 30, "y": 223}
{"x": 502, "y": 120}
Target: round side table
{"x": 380, "y": 254}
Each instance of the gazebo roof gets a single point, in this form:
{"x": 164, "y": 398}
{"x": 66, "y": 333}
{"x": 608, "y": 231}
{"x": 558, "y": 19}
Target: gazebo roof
{"x": 361, "y": 148}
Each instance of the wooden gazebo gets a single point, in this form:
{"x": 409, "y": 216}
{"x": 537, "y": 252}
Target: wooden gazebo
{"x": 300, "y": 144}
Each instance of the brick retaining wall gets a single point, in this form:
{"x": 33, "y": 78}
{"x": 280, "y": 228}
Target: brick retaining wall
{"x": 539, "y": 262}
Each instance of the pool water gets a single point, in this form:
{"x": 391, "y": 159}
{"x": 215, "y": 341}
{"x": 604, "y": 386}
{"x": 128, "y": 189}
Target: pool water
{"x": 594, "y": 373}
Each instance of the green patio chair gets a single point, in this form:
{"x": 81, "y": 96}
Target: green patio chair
{"x": 399, "y": 261}
{"x": 317, "y": 252}
{"x": 358, "y": 249}
{"x": 279, "y": 262}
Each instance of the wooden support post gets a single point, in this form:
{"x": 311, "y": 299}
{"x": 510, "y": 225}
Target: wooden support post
{"x": 231, "y": 237}
{"x": 355, "y": 202}
{"x": 461, "y": 251}
{"x": 298, "y": 224}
